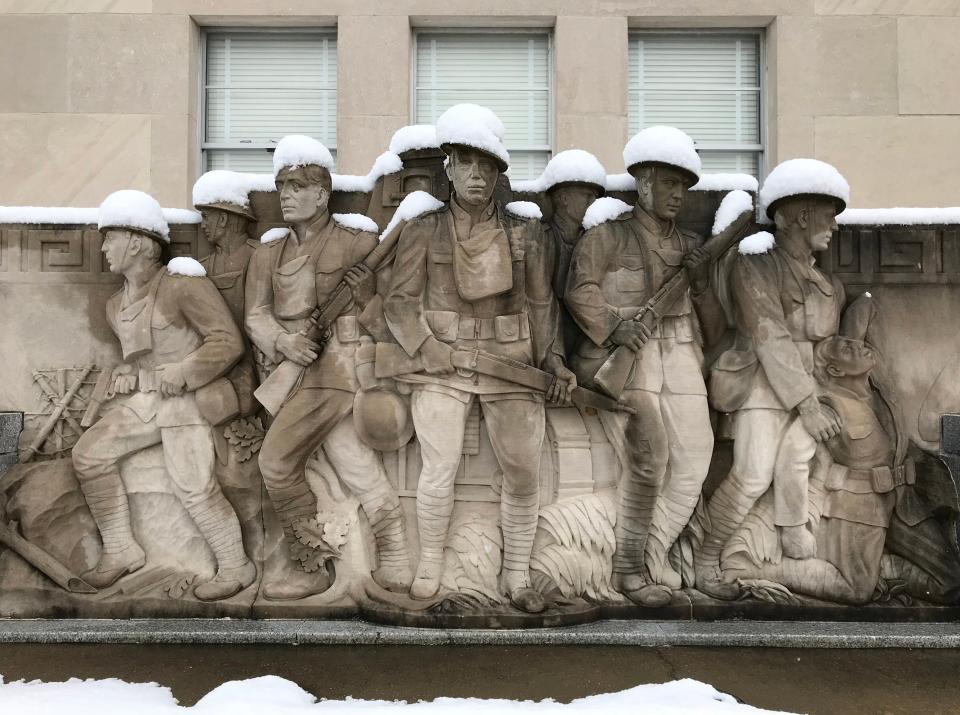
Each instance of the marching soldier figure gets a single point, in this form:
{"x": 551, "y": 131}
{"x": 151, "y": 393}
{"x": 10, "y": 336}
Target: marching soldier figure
{"x": 225, "y": 219}
{"x": 783, "y": 305}
{"x": 471, "y": 275}
{"x": 288, "y": 278}
{"x": 178, "y": 339}
{"x": 573, "y": 180}
{"x": 617, "y": 267}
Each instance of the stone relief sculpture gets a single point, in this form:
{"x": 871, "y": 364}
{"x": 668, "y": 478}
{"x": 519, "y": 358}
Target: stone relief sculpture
{"x": 465, "y": 410}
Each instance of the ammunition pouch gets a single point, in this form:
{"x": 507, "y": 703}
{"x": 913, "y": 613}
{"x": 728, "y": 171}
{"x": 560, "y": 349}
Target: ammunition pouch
{"x": 217, "y": 401}
{"x": 731, "y": 378}
{"x": 449, "y": 326}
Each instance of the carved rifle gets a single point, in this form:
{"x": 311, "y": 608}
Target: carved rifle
{"x": 392, "y": 360}
{"x": 285, "y": 379}
{"x": 59, "y": 408}
{"x": 613, "y": 374}
{"x": 42, "y": 561}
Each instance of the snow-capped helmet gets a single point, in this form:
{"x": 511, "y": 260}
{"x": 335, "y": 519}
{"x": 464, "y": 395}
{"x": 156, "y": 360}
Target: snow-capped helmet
{"x": 574, "y": 167}
{"x": 476, "y": 127}
{"x": 803, "y": 178}
{"x": 134, "y": 211}
{"x": 223, "y": 190}
{"x": 663, "y": 146}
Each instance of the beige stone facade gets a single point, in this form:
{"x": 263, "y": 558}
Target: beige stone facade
{"x": 97, "y": 95}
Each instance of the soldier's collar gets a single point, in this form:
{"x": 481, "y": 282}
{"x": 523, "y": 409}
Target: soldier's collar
{"x": 650, "y": 223}
{"x": 461, "y": 214}
{"x": 798, "y": 252}
{"x": 314, "y": 228}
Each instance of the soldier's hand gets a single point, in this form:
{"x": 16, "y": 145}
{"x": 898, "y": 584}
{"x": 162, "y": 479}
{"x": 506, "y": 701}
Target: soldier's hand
{"x": 820, "y": 424}
{"x": 697, "y": 263}
{"x": 124, "y": 380}
{"x": 298, "y": 348}
{"x": 631, "y": 334}
{"x": 172, "y": 381}
{"x": 561, "y": 390}
{"x": 436, "y": 356}
{"x": 363, "y": 284}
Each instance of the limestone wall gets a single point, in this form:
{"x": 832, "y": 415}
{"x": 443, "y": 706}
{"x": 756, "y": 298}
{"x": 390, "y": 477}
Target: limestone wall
{"x": 97, "y": 95}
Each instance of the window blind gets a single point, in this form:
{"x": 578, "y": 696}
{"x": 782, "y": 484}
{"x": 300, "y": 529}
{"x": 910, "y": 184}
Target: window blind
{"x": 507, "y": 72}
{"x": 261, "y": 86}
{"x": 706, "y": 84}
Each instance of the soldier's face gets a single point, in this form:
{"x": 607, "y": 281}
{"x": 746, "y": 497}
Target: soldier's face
{"x": 668, "y": 189}
{"x": 851, "y": 357}
{"x": 473, "y": 175}
{"x": 821, "y": 223}
{"x": 212, "y": 224}
{"x": 300, "y": 198}
{"x": 119, "y": 248}
{"x": 574, "y": 200}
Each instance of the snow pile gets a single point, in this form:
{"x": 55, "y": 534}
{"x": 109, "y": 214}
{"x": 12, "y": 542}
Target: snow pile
{"x": 128, "y": 208}
{"x": 664, "y": 145}
{"x": 755, "y": 244}
{"x": 524, "y": 209}
{"x": 298, "y": 150}
{"x": 386, "y": 163}
{"x": 274, "y": 234}
{"x": 414, "y": 136}
{"x": 71, "y": 215}
{"x": 602, "y": 210}
{"x": 900, "y": 216}
{"x": 570, "y": 166}
{"x": 474, "y": 126}
{"x": 277, "y": 696}
{"x": 186, "y": 266}
{"x": 414, "y": 204}
{"x": 802, "y": 176}
{"x": 726, "y": 182}
{"x": 358, "y": 222}
{"x": 732, "y": 205}
{"x": 223, "y": 187}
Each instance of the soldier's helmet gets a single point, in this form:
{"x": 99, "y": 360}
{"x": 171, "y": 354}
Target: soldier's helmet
{"x": 134, "y": 211}
{"x": 296, "y": 150}
{"x": 573, "y": 167}
{"x": 803, "y": 179}
{"x": 476, "y": 127}
{"x": 224, "y": 190}
{"x": 663, "y": 146}
{"x": 382, "y": 419}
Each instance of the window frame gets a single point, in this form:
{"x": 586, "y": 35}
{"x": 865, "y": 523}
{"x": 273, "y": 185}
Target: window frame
{"x": 204, "y": 145}
{"x": 761, "y": 149}
{"x": 549, "y": 148}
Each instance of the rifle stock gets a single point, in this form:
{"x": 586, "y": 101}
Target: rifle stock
{"x": 281, "y": 383}
{"x": 612, "y": 376}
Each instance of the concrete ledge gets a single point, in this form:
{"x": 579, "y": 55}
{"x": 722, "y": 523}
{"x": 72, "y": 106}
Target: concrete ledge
{"x": 769, "y": 634}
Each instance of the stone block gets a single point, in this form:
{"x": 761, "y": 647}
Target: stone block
{"x": 33, "y": 63}
{"x": 927, "y": 83}
{"x": 590, "y": 57}
{"x": 856, "y": 60}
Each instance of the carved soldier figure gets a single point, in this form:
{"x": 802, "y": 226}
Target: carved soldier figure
{"x": 471, "y": 275}
{"x": 783, "y": 305}
{"x": 224, "y": 206}
{"x": 288, "y": 278}
{"x": 178, "y": 340}
{"x": 617, "y": 266}
{"x": 573, "y": 180}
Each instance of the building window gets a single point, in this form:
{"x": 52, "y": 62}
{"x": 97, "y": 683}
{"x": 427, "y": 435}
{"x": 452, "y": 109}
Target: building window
{"x": 707, "y": 84}
{"x": 260, "y": 86}
{"x": 509, "y": 72}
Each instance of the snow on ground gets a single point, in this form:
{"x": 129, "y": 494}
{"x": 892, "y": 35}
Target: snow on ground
{"x": 71, "y": 215}
{"x": 732, "y": 205}
{"x": 604, "y": 209}
{"x": 276, "y": 696}
{"x": 414, "y": 204}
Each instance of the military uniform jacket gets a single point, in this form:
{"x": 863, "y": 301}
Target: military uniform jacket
{"x": 783, "y": 306}
{"x": 288, "y": 279}
{"x": 561, "y": 250}
{"x": 179, "y": 320}
{"x": 424, "y": 297}
{"x": 616, "y": 268}
{"x": 231, "y": 284}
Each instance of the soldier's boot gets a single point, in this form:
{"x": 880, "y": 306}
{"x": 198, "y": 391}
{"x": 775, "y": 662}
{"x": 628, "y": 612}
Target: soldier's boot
{"x": 121, "y": 554}
{"x": 797, "y": 542}
{"x": 293, "y": 583}
{"x": 434, "y": 507}
{"x": 393, "y": 573}
{"x": 726, "y": 511}
{"x": 518, "y": 519}
{"x": 673, "y": 512}
{"x": 218, "y": 523}
{"x": 637, "y": 500}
